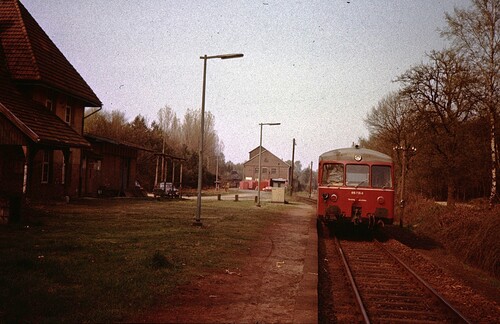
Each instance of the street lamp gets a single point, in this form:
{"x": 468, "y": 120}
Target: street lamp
{"x": 260, "y": 158}
{"x": 202, "y": 134}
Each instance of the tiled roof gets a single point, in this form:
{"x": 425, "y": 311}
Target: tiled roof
{"x": 34, "y": 120}
{"x": 256, "y": 156}
{"x": 96, "y": 138}
{"x": 33, "y": 58}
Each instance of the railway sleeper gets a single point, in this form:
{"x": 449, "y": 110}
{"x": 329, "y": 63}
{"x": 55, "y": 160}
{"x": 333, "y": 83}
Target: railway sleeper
{"x": 384, "y": 315}
{"x": 383, "y": 277}
{"x": 406, "y": 300}
{"x": 390, "y": 293}
{"x": 375, "y": 286}
{"x": 402, "y": 305}
{"x": 406, "y": 320}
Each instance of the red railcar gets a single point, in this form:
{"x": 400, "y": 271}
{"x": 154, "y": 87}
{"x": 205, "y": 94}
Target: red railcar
{"x": 356, "y": 185}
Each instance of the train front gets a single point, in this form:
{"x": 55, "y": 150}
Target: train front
{"x": 356, "y": 186}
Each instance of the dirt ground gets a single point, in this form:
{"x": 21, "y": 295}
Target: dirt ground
{"x": 263, "y": 289}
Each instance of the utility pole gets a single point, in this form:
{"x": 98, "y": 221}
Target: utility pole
{"x": 173, "y": 173}
{"x": 407, "y": 150}
{"x": 217, "y": 175}
{"x": 180, "y": 182}
{"x": 293, "y": 165}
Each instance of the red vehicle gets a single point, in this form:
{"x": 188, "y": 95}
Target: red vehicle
{"x": 356, "y": 185}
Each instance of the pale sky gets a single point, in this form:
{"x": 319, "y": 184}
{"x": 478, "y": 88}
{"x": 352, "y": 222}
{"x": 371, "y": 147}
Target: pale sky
{"x": 317, "y": 67}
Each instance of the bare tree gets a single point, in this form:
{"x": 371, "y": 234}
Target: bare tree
{"x": 390, "y": 122}
{"x": 476, "y": 33}
{"x": 443, "y": 96}
{"x": 191, "y": 130}
{"x": 212, "y": 146}
{"x": 169, "y": 126}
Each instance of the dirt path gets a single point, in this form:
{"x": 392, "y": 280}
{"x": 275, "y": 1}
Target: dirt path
{"x": 265, "y": 289}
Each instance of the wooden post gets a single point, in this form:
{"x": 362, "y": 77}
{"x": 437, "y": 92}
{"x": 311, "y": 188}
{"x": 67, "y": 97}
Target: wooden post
{"x": 67, "y": 171}
{"x": 310, "y": 180}
{"x": 156, "y": 171}
{"x": 180, "y": 182}
{"x": 293, "y": 165}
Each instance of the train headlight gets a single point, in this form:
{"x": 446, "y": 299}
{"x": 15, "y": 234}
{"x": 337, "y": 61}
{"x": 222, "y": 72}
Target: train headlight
{"x": 381, "y": 200}
{"x": 326, "y": 196}
{"x": 334, "y": 197}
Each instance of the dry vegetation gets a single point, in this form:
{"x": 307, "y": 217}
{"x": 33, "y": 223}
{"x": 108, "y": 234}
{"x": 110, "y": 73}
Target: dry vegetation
{"x": 470, "y": 231}
{"x": 106, "y": 260}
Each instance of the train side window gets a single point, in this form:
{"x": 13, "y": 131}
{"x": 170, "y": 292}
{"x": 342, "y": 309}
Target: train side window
{"x": 357, "y": 175}
{"x": 333, "y": 174}
{"x": 381, "y": 176}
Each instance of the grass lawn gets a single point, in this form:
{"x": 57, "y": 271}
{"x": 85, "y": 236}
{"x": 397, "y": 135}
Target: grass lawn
{"x": 104, "y": 260}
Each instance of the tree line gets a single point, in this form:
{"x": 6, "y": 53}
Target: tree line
{"x": 443, "y": 119}
{"x": 175, "y": 138}
{"x": 178, "y": 139}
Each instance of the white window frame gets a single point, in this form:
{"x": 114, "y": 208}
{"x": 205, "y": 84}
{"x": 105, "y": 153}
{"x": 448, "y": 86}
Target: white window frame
{"x": 49, "y": 104}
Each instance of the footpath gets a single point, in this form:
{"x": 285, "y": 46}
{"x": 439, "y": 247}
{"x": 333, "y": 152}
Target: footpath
{"x": 276, "y": 283}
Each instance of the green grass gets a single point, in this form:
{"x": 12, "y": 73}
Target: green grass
{"x": 105, "y": 260}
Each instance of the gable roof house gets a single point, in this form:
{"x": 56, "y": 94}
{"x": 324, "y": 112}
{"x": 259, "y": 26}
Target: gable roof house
{"x": 42, "y": 106}
{"x": 272, "y": 167}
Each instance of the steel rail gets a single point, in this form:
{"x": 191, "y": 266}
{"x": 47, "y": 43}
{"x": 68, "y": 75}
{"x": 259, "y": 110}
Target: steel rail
{"x": 354, "y": 287}
{"x": 424, "y": 283}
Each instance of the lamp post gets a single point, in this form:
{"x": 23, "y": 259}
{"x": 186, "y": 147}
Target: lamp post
{"x": 260, "y": 159}
{"x": 202, "y": 134}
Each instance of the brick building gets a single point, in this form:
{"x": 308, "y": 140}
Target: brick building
{"x": 272, "y": 167}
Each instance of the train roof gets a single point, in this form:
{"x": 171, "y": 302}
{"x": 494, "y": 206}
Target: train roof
{"x": 353, "y": 154}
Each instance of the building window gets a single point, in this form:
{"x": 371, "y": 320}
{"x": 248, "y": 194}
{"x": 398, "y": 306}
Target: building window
{"x": 264, "y": 170}
{"x": 45, "y": 166}
{"x": 49, "y": 104}
{"x": 67, "y": 116}
{"x": 256, "y": 170}
{"x": 273, "y": 171}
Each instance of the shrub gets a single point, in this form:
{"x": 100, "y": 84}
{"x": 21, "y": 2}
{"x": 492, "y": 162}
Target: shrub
{"x": 469, "y": 231}
{"x": 160, "y": 261}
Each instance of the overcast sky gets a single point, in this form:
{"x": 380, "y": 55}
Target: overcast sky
{"x": 317, "y": 67}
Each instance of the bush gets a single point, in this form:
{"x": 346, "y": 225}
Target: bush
{"x": 468, "y": 231}
{"x": 160, "y": 261}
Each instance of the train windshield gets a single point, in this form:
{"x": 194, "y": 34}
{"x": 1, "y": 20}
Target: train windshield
{"x": 333, "y": 174}
{"x": 357, "y": 175}
{"x": 381, "y": 176}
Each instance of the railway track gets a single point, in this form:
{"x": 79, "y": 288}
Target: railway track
{"x": 306, "y": 200}
{"x": 383, "y": 287}
{"x": 386, "y": 290}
